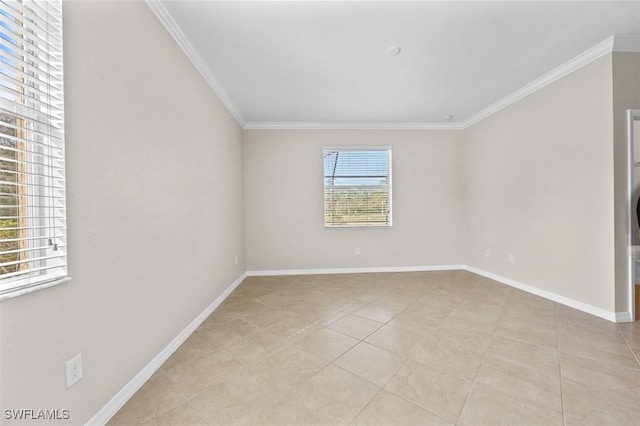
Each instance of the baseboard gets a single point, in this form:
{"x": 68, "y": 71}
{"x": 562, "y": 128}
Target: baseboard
{"x": 112, "y": 407}
{"x": 581, "y": 306}
{"x": 321, "y": 271}
{"x": 584, "y": 307}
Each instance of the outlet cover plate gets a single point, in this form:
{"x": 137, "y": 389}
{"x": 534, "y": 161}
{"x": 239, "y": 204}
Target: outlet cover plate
{"x": 74, "y": 369}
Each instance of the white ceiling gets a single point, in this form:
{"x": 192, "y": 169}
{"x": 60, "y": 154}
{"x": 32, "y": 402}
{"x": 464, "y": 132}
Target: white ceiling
{"x": 324, "y": 62}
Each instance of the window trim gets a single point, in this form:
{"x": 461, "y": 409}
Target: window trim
{"x": 35, "y": 32}
{"x": 389, "y": 150}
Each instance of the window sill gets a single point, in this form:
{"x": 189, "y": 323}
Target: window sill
{"x": 19, "y": 291}
{"x": 359, "y": 227}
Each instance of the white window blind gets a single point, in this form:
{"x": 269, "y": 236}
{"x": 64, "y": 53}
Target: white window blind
{"x": 357, "y": 187}
{"x": 32, "y": 187}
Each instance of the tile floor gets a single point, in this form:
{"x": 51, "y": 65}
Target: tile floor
{"x": 428, "y": 348}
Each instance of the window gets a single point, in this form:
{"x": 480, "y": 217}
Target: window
{"x": 357, "y": 187}
{"x": 32, "y": 190}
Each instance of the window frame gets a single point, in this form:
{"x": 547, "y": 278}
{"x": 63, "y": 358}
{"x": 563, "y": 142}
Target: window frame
{"x": 351, "y": 225}
{"x": 32, "y": 108}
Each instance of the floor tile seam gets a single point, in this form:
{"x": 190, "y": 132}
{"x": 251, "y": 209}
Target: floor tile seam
{"x": 635, "y": 353}
{"x": 370, "y": 319}
{"x": 594, "y": 357}
{"x": 474, "y": 313}
{"x": 217, "y": 347}
{"x": 599, "y": 360}
{"x": 386, "y": 293}
{"x": 562, "y": 398}
{"x": 456, "y": 344}
{"x": 518, "y": 397}
{"x": 631, "y": 326}
{"x": 635, "y": 336}
{"x": 466, "y": 403}
{"x": 412, "y": 333}
{"x": 533, "y": 323}
{"x": 253, "y": 300}
{"x": 441, "y": 371}
{"x": 629, "y": 394}
{"x": 439, "y": 327}
{"x": 363, "y": 340}
{"x": 154, "y": 412}
{"x": 366, "y": 405}
{"x": 289, "y": 391}
{"x": 526, "y": 367}
{"x": 344, "y": 352}
{"x": 384, "y": 307}
{"x": 171, "y": 380}
{"x": 591, "y": 337}
{"x": 286, "y": 346}
{"x": 245, "y": 364}
{"x": 521, "y": 340}
{"x": 373, "y": 344}
{"x": 474, "y": 381}
{"x": 189, "y": 398}
{"x": 467, "y": 327}
{"x": 384, "y": 389}
{"x": 292, "y": 392}
{"x": 380, "y": 388}
{"x": 388, "y": 350}
{"x": 621, "y": 394}
{"x": 254, "y": 324}
{"x": 360, "y": 377}
{"x": 475, "y": 330}
{"x": 312, "y": 324}
{"x": 521, "y": 315}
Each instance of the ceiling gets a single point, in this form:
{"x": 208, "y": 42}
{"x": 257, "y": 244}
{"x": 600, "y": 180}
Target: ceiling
{"x": 288, "y": 64}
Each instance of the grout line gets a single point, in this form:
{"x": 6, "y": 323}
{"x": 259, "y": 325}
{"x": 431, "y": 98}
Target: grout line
{"x": 633, "y": 352}
{"x": 406, "y": 361}
{"x": 473, "y": 382}
{"x": 291, "y": 339}
{"x": 564, "y": 416}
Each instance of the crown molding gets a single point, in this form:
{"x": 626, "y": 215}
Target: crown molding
{"x": 352, "y": 126}
{"x": 585, "y": 58}
{"x": 619, "y": 43}
{"x": 165, "y": 18}
{"x": 622, "y": 43}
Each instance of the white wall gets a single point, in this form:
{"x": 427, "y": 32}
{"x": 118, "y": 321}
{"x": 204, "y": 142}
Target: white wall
{"x": 156, "y": 205}
{"x": 284, "y": 201}
{"x": 535, "y": 180}
{"x": 626, "y": 95}
{"x": 155, "y": 213}
{"x": 541, "y": 188}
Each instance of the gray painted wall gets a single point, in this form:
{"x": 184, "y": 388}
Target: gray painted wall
{"x": 535, "y": 179}
{"x": 626, "y": 95}
{"x": 155, "y": 213}
{"x": 284, "y": 201}
{"x": 541, "y": 188}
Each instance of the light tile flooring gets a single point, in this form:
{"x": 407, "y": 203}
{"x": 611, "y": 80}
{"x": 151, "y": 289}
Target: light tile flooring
{"x": 428, "y": 348}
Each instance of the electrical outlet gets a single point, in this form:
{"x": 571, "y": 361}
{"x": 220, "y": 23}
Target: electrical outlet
{"x": 236, "y": 260}
{"x": 487, "y": 253}
{"x": 357, "y": 251}
{"x": 74, "y": 369}
{"x": 512, "y": 258}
